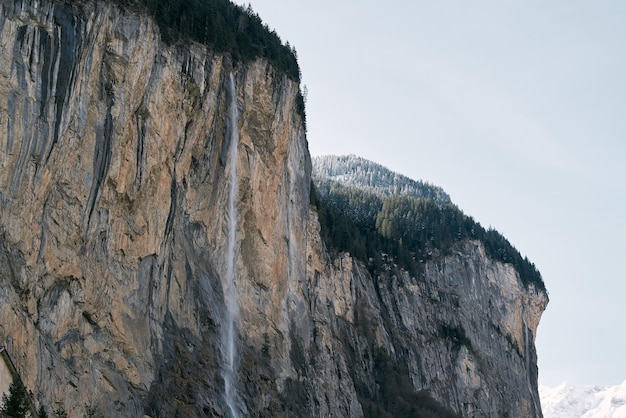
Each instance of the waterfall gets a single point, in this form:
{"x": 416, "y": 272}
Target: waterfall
{"x": 528, "y": 366}
{"x": 229, "y": 334}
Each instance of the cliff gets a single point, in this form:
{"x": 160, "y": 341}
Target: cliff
{"x": 159, "y": 254}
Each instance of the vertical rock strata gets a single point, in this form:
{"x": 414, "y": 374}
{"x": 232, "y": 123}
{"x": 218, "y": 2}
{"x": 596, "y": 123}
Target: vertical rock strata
{"x": 113, "y": 230}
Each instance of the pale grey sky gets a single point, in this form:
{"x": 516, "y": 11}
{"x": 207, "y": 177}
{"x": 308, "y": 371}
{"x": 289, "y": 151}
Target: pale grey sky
{"x": 517, "y": 109}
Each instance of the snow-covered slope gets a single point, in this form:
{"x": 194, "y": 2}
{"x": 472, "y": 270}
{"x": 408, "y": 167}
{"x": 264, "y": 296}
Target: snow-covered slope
{"x": 357, "y": 172}
{"x": 569, "y": 401}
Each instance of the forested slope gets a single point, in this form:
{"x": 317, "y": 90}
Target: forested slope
{"x": 373, "y": 213}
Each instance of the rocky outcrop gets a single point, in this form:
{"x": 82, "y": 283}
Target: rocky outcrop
{"x": 463, "y": 330}
{"x": 113, "y": 234}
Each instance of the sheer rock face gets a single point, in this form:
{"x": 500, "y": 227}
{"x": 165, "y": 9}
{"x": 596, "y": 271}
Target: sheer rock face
{"x": 463, "y": 329}
{"x": 113, "y": 235}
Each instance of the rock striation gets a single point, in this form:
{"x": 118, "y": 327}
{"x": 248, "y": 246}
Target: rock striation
{"x": 113, "y": 233}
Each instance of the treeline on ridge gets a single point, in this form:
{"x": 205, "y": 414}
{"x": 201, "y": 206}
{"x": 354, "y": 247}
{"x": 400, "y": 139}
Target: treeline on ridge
{"x": 406, "y": 229}
{"x": 225, "y": 26}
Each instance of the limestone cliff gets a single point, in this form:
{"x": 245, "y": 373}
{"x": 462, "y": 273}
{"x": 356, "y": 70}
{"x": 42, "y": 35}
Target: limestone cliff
{"x": 114, "y": 230}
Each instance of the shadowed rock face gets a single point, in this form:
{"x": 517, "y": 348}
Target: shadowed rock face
{"x": 113, "y": 230}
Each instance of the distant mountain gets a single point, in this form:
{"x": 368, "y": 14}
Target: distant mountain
{"x": 569, "y": 401}
{"x": 357, "y": 172}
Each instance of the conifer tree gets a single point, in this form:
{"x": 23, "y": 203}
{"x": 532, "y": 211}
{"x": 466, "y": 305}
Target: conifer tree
{"x": 15, "y": 404}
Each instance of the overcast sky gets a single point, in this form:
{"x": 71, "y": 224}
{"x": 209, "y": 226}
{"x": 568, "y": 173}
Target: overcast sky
{"x": 517, "y": 109}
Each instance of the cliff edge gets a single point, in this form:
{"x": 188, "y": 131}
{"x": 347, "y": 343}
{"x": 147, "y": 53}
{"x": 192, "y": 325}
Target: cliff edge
{"x": 159, "y": 254}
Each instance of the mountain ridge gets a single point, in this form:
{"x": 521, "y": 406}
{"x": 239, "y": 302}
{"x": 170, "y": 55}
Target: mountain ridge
{"x": 391, "y": 207}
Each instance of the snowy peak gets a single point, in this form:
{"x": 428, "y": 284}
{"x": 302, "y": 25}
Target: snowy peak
{"x": 569, "y": 401}
{"x": 357, "y": 172}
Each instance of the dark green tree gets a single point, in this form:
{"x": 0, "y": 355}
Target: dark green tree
{"x": 15, "y": 404}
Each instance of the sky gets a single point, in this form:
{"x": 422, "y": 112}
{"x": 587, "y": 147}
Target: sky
{"x": 517, "y": 109}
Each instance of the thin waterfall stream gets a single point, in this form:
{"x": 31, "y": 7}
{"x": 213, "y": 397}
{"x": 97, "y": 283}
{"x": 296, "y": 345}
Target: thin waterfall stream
{"x": 527, "y": 358}
{"x": 229, "y": 335}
